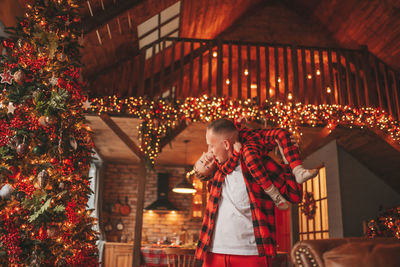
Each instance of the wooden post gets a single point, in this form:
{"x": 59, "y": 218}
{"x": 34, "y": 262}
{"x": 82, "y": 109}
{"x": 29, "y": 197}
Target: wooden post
{"x": 285, "y": 69}
{"x": 219, "y": 68}
{"x": 348, "y": 84}
{"x": 210, "y": 52}
{"x": 378, "y": 85}
{"x": 277, "y": 78}
{"x": 303, "y": 97}
{"x": 339, "y": 79}
{"x": 322, "y": 75}
{"x": 142, "y": 62}
{"x": 295, "y": 63}
{"x": 190, "y": 90}
{"x": 230, "y": 69}
{"x": 182, "y": 65}
{"x": 387, "y": 89}
{"x": 258, "y": 74}
{"x": 249, "y": 71}
{"x": 153, "y": 55}
{"x": 358, "y": 97}
{"x": 200, "y": 90}
{"x": 267, "y": 73}
{"x": 239, "y": 49}
{"x": 312, "y": 97}
{"x": 162, "y": 75}
{"x": 139, "y": 214}
{"x": 396, "y": 89}
{"x": 368, "y": 85}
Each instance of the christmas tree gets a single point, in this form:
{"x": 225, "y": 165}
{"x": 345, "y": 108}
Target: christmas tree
{"x": 45, "y": 147}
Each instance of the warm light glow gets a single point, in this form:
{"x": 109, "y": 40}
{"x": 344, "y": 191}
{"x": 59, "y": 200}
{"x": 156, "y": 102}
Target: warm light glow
{"x": 253, "y": 86}
{"x": 309, "y": 76}
{"x": 246, "y": 72}
{"x": 290, "y": 96}
{"x": 271, "y": 91}
{"x": 184, "y": 190}
{"x": 228, "y": 81}
{"x": 318, "y": 72}
{"x": 214, "y": 54}
{"x": 328, "y": 90}
{"x": 279, "y": 79}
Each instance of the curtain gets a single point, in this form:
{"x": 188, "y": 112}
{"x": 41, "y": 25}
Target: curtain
{"x": 96, "y": 199}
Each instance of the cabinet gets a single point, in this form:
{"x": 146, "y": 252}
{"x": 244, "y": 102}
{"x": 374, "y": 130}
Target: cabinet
{"x": 118, "y": 254}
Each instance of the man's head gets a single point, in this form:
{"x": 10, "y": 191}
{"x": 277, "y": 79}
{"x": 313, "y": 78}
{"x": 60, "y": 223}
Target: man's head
{"x": 221, "y": 135}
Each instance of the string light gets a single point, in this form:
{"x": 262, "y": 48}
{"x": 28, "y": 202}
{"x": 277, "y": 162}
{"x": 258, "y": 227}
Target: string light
{"x": 160, "y": 116}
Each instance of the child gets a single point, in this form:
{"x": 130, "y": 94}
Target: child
{"x": 268, "y": 139}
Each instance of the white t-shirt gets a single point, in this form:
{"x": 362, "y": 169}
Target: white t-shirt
{"x": 233, "y": 232}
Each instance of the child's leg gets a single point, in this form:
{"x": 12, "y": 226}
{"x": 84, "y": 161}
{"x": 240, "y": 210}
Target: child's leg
{"x": 291, "y": 155}
{"x": 288, "y": 149}
{"x": 252, "y": 157}
{"x": 301, "y": 174}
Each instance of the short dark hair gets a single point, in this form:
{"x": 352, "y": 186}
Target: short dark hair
{"x": 222, "y": 126}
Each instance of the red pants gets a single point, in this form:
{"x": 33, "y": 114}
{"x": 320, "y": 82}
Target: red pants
{"x": 225, "y": 260}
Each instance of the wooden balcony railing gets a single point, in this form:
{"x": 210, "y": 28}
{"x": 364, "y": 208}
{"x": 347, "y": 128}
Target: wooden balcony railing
{"x": 311, "y": 75}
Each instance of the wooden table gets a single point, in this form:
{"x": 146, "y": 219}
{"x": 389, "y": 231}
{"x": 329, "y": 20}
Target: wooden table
{"x": 120, "y": 255}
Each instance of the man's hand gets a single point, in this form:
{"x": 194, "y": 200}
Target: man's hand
{"x": 205, "y": 166}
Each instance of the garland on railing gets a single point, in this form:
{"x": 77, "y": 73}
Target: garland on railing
{"x": 160, "y": 116}
{"x": 386, "y": 224}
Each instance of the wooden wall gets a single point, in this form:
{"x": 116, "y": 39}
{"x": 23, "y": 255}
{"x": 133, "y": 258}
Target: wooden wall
{"x": 352, "y": 23}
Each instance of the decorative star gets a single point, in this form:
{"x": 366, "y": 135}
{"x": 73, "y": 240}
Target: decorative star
{"x": 10, "y": 108}
{"x": 53, "y": 80}
{"x": 6, "y": 77}
{"x": 87, "y": 104}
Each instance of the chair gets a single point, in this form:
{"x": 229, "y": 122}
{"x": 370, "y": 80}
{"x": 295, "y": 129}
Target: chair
{"x": 180, "y": 257}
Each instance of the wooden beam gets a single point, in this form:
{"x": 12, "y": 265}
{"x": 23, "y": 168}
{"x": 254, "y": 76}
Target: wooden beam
{"x": 123, "y": 136}
{"x": 171, "y": 136}
{"x": 318, "y": 141}
{"x": 386, "y": 137}
{"x": 139, "y": 214}
{"x": 102, "y": 17}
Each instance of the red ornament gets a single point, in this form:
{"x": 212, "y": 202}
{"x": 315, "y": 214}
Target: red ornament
{"x": 67, "y": 162}
{"x": 54, "y": 161}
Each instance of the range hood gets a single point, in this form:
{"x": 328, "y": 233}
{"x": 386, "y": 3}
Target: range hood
{"x": 162, "y": 203}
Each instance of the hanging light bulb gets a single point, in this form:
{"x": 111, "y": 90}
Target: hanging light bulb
{"x": 184, "y": 186}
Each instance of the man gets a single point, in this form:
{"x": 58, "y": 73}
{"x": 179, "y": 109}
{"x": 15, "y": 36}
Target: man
{"x": 239, "y": 225}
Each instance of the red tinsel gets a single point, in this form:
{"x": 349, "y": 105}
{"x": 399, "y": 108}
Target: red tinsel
{"x": 11, "y": 240}
{"x": 28, "y": 188}
{"x": 71, "y": 212}
{"x": 83, "y": 257}
{"x": 5, "y": 133}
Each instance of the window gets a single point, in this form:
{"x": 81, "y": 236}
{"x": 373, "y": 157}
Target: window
{"x": 313, "y": 211}
{"x": 199, "y": 199}
{"x": 163, "y": 24}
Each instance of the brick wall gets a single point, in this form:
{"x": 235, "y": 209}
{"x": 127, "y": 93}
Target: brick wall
{"x": 121, "y": 181}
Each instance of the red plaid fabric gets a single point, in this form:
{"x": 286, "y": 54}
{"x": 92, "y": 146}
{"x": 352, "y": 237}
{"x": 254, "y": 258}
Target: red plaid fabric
{"x": 258, "y": 170}
{"x": 154, "y": 257}
{"x": 267, "y": 138}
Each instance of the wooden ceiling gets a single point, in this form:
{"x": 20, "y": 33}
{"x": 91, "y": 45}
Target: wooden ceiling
{"x": 111, "y": 40}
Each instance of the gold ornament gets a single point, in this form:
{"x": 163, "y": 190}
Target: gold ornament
{"x": 61, "y": 57}
{"x": 42, "y": 179}
{"x": 19, "y": 76}
{"x": 52, "y": 231}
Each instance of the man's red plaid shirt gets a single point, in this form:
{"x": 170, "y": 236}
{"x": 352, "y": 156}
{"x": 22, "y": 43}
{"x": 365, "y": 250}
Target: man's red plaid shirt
{"x": 258, "y": 169}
